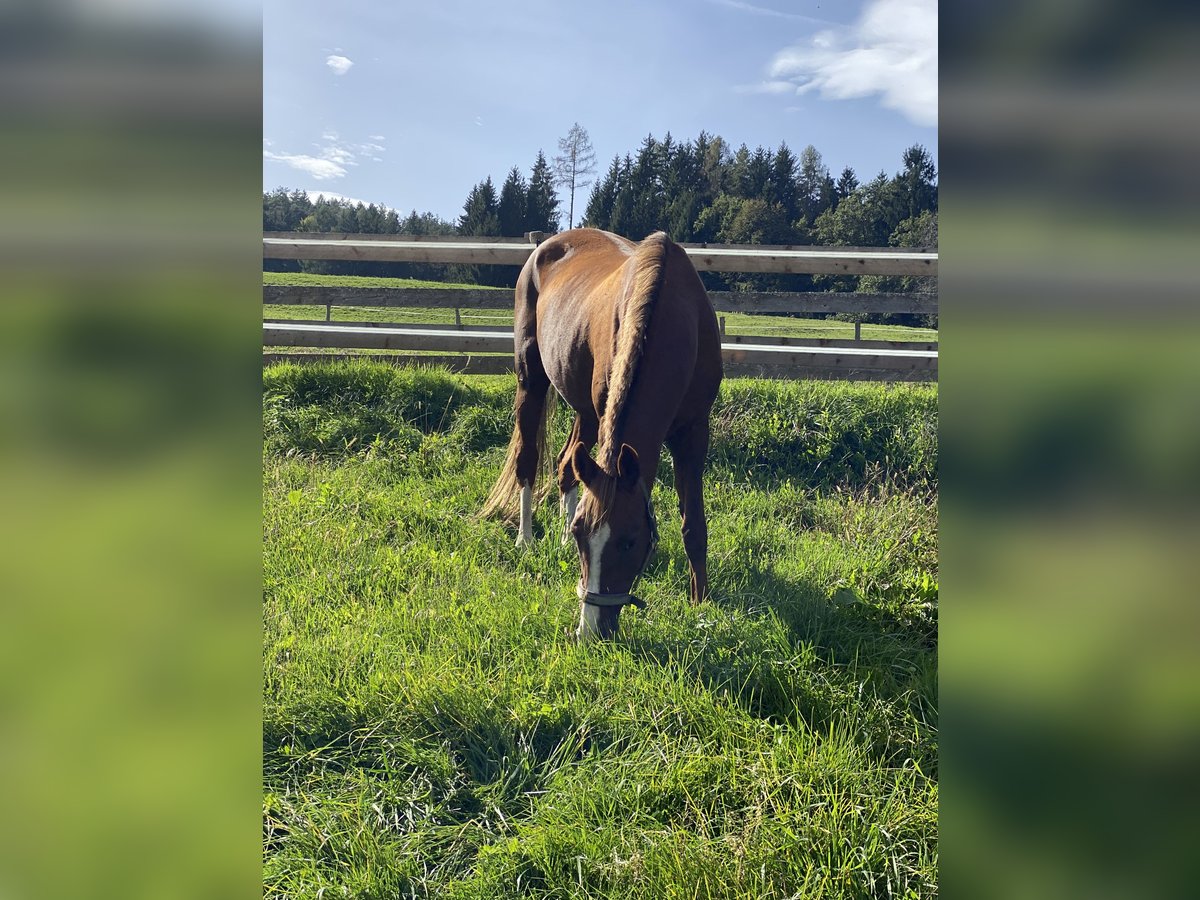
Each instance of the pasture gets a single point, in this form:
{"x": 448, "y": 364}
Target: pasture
{"x": 431, "y": 731}
{"x": 736, "y": 323}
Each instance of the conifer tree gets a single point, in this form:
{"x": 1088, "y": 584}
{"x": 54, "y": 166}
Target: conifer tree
{"x": 541, "y": 211}
{"x": 511, "y": 207}
{"x": 480, "y": 211}
{"x": 600, "y": 205}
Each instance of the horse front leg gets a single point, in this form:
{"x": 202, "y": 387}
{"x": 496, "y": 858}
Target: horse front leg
{"x": 584, "y": 430}
{"x": 689, "y": 450}
{"x": 532, "y": 388}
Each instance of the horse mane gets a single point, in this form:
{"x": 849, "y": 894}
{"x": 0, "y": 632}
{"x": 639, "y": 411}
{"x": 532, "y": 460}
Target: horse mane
{"x": 649, "y": 266}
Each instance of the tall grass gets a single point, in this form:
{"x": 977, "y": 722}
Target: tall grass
{"x": 431, "y": 731}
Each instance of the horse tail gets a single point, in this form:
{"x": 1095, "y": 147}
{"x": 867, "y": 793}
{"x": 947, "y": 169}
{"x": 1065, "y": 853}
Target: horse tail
{"x": 504, "y": 497}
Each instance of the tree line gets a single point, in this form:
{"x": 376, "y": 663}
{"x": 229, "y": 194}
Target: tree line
{"x": 701, "y": 190}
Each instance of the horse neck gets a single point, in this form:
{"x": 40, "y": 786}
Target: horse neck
{"x": 649, "y": 410}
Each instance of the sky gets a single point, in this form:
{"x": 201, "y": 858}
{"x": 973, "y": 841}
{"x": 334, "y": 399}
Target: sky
{"x": 410, "y": 104}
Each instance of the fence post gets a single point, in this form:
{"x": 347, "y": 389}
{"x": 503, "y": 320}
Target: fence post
{"x": 457, "y": 319}
{"x": 328, "y": 311}
{"x": 721, "y": 322}
{"x": 858, "y": 331}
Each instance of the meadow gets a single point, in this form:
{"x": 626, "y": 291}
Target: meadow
{"x": 735, "y": 323}
{"x": 431, "y": 730}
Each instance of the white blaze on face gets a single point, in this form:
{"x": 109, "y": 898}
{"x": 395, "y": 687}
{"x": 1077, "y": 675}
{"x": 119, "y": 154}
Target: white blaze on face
{"x": 596, "y": 544}
{"x": 526, "y": 534}
{"x": 589, "y": 615}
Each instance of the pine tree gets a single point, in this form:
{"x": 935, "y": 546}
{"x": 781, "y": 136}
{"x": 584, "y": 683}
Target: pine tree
{"x": 809, "y": 183}
{"x": 783, "y": 183}
{"x": 739, "y": 173}
{"x": 915, "y": 188}
{"x": 758, "y": 174}
{"x": 480, "y": 211}
{"x": 371, "y": 220}
{"x": 541, "y": 213}
{"x": 600, "y": 205}
{"x": 715, "y": 165}
{"x": 622, "y": 209}
{"x": 847, "y": 184}
{"x": 513, "y": 201}
{"x": 646, "y": 182}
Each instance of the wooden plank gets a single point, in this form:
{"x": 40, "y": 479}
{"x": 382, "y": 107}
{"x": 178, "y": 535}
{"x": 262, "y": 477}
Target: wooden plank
{"x": 463, "y": 364}
{"x": 467, "y": 252}
{"x": 390, "y": 338}
{"x": 829, "y": 357}
{"x": 529, "y": 238}
{"x": 499, "y": 365}
{"x": 780, "y": 341}
{"x": 407, "y": 248}
{"x": 481, "y": 298}
{"x": 813, "y": 261}
{"x": 406, "y": 238}
{"x": 760, "y": 302}
{"x": 505, "y": 330}
{"x": 431, "y": 298}
{"x": 385, "y": 338}
{"x": 765, "y": 340}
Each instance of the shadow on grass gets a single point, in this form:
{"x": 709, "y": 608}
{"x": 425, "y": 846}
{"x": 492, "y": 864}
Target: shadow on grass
{"x": 787, "y": 652}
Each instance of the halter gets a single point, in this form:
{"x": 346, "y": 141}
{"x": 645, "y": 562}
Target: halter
{"x": 626, "y": 599}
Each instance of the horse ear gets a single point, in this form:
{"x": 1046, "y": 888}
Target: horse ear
{"x": 583, "y": 465}
{"x": 628, "y": 467}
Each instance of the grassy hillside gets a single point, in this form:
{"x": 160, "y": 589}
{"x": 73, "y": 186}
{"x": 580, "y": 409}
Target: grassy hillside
{"x": 430, "y": 730}
{"x": 735, "y": 323}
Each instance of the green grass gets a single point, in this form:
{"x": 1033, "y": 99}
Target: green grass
{"x": 735, "y": 323}
{"x": 431, "y": 731}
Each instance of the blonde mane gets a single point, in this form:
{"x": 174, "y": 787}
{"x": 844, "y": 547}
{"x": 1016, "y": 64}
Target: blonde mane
{"x": 649, "y": 264}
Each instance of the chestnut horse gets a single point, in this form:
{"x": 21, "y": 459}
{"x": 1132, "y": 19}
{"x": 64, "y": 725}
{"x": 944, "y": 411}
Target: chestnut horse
{"x": 626, "y": 334}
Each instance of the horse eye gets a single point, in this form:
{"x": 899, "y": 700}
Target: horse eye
{"x": 629, "y": 542}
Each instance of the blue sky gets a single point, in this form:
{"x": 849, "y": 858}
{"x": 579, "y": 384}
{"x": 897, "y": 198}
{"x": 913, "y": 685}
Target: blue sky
{"x": 410, "y": 104}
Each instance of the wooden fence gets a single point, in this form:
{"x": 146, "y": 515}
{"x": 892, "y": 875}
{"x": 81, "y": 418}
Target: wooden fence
{"x": 478, "y": 349}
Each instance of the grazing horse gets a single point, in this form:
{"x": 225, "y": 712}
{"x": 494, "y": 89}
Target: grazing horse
{"x": 626, "y": 335}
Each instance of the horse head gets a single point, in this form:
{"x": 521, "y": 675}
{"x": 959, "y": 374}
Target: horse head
{"x": 615, "y": 533}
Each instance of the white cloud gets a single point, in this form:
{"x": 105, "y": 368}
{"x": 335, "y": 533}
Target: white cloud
{"x": 376, "y": 137}
{"x": 340, "y": 64}
{"x": 890, "y": 52}
{"x": 479, "y": 121}
{"x": 767, "y": 87}
{"x": 319, "y": 168}
{"x": 330, "y": 195}
{"x": 333, "y": 156}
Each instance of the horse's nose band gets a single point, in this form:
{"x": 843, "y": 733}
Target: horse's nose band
{"x": 609, "y": 600}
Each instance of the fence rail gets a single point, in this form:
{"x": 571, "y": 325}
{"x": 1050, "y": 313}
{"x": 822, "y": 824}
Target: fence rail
{"x": 755, "y": 258}
{"x": 484, "y": 298}
{"x": 479, "y": 349}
